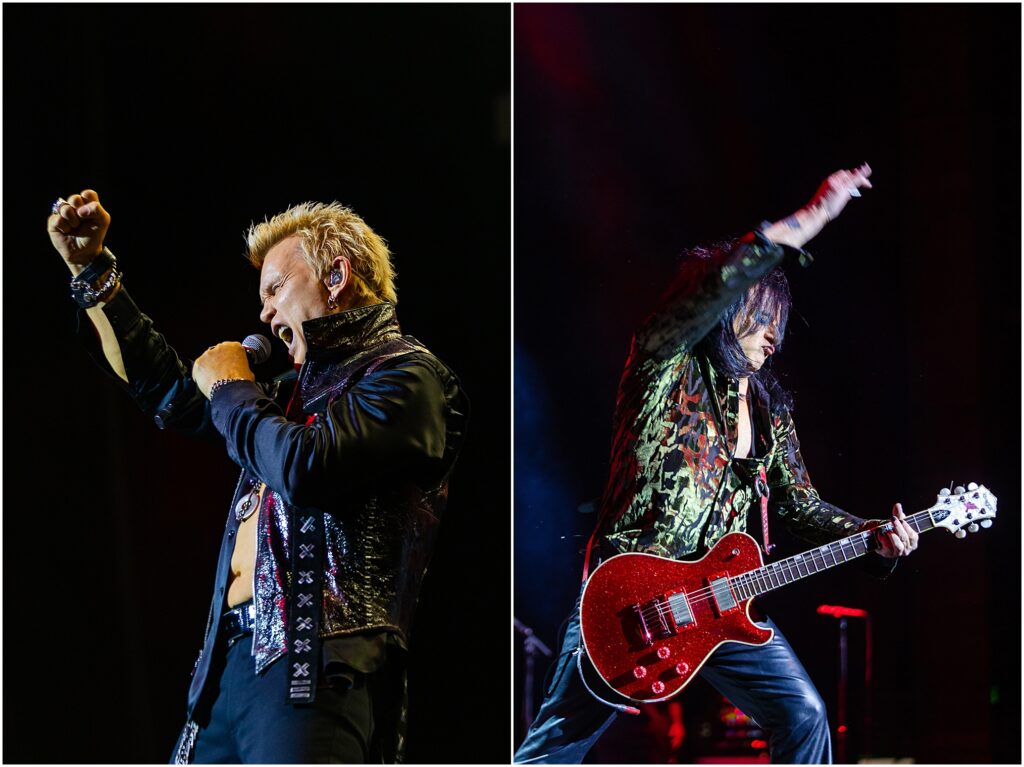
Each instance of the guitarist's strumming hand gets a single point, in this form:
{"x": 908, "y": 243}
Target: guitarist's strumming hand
{"x": 898, "y": 543}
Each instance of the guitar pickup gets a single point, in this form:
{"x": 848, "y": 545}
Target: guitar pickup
{"x": 681, "y": 613}
{"x": 721, "y": 592}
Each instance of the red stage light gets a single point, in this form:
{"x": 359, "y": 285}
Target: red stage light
{"x": 758, "y": 744}
{"x": 837, "y": 611}
{"x": 841, "y": 728}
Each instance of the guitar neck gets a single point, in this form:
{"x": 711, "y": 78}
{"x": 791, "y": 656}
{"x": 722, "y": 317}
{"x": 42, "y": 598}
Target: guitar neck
{"x": 778, "y": 574}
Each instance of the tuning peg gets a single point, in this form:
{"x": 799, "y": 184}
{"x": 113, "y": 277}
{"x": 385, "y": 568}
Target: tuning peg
{"x": 960, "y": 534}
{"x": 972, "y": 528}
{"x": 959, "y": 489}
{"x": 986, "y": 523}
{"x": 973, "y": 486}
{"x": 944, "y": 491}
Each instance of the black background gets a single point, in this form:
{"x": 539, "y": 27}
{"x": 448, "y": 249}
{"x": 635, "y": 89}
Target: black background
{"x": 191, "y": 121}
{"x": 642, "y": 130}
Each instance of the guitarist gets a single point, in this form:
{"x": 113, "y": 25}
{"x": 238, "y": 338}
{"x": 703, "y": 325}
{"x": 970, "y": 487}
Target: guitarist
{"x": 702, "y": 433}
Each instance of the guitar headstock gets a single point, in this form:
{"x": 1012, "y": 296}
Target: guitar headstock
{"x": 961, "y": 508}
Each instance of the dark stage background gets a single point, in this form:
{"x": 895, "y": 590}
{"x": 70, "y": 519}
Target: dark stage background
{"x": 191, "y": 121}
{"x": 642, "y": 130}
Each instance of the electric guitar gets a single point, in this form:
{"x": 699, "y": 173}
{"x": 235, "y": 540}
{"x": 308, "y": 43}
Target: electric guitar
{"x": 649, "y": 623}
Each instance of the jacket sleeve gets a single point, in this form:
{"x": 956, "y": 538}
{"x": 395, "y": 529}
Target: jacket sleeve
{"x": 796, "y": 501}
{"x": 704, "y": 288}
{"x": 393, "y": 422}
{"x": 159, "y": 382}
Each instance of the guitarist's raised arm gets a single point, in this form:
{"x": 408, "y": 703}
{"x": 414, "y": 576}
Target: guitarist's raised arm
{"x": 708, "y": 282}
{"x": 711, "y": 279}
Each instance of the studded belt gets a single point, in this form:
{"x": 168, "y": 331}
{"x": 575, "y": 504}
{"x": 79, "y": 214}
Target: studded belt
{"x": 238, "y": 622}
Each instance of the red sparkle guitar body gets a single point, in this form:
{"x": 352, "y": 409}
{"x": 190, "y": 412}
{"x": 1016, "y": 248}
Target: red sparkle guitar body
{"x": 649, "y": 623}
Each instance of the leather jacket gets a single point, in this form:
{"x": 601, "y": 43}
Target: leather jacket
{"x": 372, "y": 432}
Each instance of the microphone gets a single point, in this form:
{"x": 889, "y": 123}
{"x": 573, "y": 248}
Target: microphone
{"x": 257, "y": 348}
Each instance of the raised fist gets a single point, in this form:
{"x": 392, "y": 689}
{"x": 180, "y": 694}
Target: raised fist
{"x": 77, "y": 229}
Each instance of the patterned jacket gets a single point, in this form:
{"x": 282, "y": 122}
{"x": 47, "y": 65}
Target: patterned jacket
{"x": 675, "y": 488}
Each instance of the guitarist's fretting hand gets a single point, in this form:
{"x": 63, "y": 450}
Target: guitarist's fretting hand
{"x": 901, "y": 541}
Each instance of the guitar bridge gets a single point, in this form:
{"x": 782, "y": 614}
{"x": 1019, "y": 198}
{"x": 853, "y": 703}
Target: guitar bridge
{"x": 655, "y": 619}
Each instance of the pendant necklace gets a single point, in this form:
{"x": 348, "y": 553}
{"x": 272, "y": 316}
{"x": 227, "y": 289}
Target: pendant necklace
{"x": 247, "y": 505}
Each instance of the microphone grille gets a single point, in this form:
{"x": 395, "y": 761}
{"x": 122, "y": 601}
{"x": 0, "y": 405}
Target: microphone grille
{"x": 258, "y": 347}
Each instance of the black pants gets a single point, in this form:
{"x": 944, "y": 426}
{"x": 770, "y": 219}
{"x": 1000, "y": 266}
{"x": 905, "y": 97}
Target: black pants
{"x": 767, "y": 682}
{"x": 247, "y": 721}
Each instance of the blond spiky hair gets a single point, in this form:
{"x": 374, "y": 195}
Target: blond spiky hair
{"x": 327, "y": 231}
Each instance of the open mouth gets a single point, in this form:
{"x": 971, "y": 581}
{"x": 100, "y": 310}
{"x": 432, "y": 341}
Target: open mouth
{"x": 285, "y": 334}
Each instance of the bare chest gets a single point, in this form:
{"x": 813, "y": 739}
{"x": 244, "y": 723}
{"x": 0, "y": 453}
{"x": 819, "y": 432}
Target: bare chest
{"x": 744, "y": 431}
{"x": 243, "y": 559}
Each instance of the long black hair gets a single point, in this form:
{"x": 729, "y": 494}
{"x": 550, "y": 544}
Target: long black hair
{"x": 757, "y": 307}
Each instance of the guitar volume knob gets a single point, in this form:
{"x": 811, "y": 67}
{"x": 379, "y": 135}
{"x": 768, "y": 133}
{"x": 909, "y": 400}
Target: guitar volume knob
{"x": 682, "y": 668}
{"x": 640, "y": 672}
{"x": 664, "y": 652}
{"x": 658, "y": 688}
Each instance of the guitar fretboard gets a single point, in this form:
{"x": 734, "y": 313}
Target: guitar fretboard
{"x": 778, "y": 574}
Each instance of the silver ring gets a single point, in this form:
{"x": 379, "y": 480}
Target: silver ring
{"x": 55, "y": 208}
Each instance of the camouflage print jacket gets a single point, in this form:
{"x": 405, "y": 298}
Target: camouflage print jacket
{"x": 675, "y": 488}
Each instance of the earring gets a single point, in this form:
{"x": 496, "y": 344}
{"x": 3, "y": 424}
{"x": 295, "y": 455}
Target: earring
{"x": 334, "y": 279}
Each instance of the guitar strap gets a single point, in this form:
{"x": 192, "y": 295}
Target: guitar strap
{"x": 763, "y": 491}
{"x": 590, "y": 546}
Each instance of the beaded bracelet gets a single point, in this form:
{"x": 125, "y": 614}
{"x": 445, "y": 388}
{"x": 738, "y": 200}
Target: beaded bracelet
{"x": 220, "y": 382}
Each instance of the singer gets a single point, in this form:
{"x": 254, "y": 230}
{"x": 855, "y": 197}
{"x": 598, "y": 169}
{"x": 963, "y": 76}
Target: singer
{"x": 702, "y": 432}
{"x": 344, "y": 475}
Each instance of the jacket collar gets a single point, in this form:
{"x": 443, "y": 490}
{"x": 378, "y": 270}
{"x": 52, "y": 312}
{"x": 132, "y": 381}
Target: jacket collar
{"x": 338, "y": 336}
{"x": 337, "y": 345}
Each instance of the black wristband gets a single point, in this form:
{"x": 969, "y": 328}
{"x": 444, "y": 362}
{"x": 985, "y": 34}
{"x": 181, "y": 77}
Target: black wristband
{"x": 799, "y": 255}
{"x": 86, "y": 288}
{"x": 98, "y": 267}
